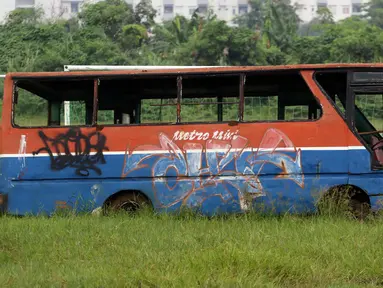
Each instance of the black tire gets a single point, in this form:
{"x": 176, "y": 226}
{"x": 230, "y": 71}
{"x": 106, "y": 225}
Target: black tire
{"x": 131, "y": 202}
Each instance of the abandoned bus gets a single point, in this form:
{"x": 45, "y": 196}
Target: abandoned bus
{"x": 218, "y": 140}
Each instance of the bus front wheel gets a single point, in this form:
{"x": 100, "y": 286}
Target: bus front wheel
{"x": 345, "y": 198}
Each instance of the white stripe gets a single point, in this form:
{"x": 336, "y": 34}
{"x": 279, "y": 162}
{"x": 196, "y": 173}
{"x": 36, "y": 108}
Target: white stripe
{"x": 339, "y": 148}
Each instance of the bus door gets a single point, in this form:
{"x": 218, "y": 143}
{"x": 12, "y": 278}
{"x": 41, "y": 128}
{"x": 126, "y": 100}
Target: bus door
{"x": 365, "y": 115}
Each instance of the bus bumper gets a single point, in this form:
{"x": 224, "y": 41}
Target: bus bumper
{"x": 3, "y": 203}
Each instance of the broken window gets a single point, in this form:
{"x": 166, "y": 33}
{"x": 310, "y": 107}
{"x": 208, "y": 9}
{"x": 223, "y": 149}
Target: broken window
{"x": 155, "y": 100}
{"x": 143, "y": 100}
{"x": 40, "y": 103}
{"x": 279, "y": 96}
{"x": 163, "y": 99}
{"x": 334, "y": 84}
{"x": 210, "y": 98}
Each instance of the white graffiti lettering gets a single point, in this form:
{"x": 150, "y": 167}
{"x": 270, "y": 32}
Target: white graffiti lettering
{"x": 226, "y": 167}
{"x": 195, "y": 135}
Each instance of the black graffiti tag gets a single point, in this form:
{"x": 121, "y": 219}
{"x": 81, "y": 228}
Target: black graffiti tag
{"x": 61, "y": 157}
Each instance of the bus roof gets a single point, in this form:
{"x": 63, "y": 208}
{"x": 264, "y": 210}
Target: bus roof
{"x": 155, "y": 70}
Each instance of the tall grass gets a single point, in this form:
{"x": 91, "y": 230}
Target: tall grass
{"x": 151, "y": 250}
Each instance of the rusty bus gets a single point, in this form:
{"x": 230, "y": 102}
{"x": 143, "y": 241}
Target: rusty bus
{"x": 214, "y": 139}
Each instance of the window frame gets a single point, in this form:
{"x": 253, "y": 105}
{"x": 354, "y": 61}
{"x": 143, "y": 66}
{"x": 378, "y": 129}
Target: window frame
{"x": 284, "y": 121}
{"x": 97, "y": 80}
{"x": 325, "y": 93}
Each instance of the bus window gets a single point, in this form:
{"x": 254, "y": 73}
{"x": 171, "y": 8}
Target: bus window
{"x": 334, "y": 84}
{"x": 135, "y": 100}
{"x": 41, "y": 103}
{"x": 369, "y": 112}
{"x": 210, "y": 98}
{"x": 162, "y": 110}
{"x": 29, "y": 109}
{"x": 105, "y": 117}
{"x": 279, "y": 96}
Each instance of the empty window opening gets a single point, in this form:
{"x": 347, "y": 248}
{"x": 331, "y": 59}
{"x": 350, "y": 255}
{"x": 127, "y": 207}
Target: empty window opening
{"x": 334, "y": 84}
{"x": 53, "y": 103}
{"x": 210, "y": 98}
{"x": 164, "y": 99}
{"x": 279, "y": 96}
{"x": 144, "y": 100}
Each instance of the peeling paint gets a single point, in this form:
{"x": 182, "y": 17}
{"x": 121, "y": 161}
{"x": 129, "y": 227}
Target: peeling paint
{"x": 21, "y": 154}
{"x": 95, "y": 191}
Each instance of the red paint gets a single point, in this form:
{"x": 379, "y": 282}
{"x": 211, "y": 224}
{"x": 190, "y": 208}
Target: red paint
{"x": 329, "y": 131}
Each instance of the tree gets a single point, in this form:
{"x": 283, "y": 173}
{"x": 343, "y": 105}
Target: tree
{"x": 133, "y": 35}
{"x": 110, "y": 15}
{"x": 314, "y": 27}
{"x": 276, "y": 21}
{"x": 374, "y": 11}
{"x": 253, "y": 19}
{"x": 24, "y": 16}
{"x": 144, "y": 13}
{"x": 350, "y": 40}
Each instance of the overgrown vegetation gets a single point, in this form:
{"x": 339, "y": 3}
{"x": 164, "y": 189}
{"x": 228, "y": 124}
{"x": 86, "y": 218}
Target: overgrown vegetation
{"x": 177, "y": 251}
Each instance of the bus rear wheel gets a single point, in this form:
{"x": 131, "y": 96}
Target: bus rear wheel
{"x": 131, "y": 202}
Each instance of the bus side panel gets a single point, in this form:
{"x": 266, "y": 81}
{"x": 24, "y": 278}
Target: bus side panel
{"x": 287, "y": 197}
{"x": 372, "y": 184}
{"x": 224, "y": 196}
{"x": 45, "y": 197}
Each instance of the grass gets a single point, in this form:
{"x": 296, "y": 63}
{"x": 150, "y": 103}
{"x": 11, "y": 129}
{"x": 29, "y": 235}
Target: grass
{"x": 190, "y": 251}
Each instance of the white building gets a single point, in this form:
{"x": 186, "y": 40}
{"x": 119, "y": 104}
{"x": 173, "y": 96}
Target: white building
{"x": 52, "y": 8}
{"x": 166, "y": 9}
{"x": 340, "y": 9}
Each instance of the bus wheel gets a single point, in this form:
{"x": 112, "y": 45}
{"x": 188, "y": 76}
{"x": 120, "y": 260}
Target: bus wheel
{"x": 129, "y": 201}
{"x": 345, "y": 198}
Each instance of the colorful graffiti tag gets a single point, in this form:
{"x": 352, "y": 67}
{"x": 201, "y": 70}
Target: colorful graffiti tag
{"x": 226, "y": 167}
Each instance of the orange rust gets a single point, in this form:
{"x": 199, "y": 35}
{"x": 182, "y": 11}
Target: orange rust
{"x": 212, "y": 70}
{"x": 62, "y": 204}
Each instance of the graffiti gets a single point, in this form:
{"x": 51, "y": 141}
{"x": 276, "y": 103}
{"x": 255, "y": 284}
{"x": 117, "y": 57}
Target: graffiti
{"x": 227, "y": 169}
{"x": 88, "y": 151}
{"x": 195, "y": 135}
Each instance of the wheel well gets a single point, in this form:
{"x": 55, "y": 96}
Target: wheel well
{"x": 124, "y": 192}
{"x": 353, "y": 191}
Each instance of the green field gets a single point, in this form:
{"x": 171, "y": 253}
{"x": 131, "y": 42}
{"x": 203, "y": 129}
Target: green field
{"x": 189, "y": 251}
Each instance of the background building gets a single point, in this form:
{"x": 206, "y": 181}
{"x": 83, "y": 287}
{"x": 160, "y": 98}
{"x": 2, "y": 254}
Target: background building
{"x": 340, "y": 9}
{"x": 166, "y": 9}
{"x": 52, "y": 8}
